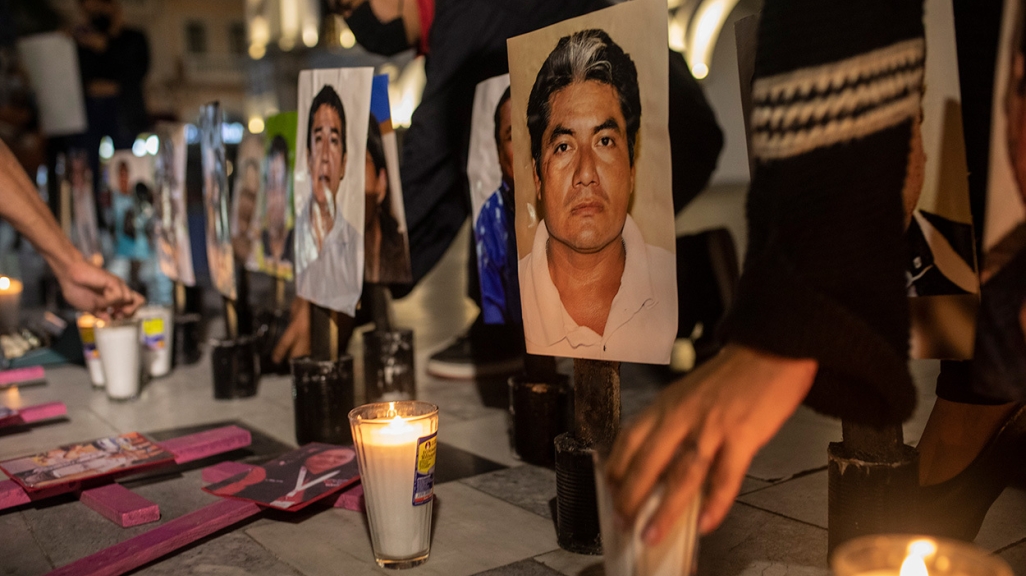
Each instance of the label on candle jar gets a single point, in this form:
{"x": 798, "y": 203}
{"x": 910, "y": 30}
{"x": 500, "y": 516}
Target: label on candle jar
{"x": 88, "y": 342}
{"x": 424, "y": 479}
{"x": 153, "y": 333}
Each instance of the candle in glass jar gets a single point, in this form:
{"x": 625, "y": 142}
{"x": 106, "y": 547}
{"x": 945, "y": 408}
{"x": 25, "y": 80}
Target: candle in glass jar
{"x": 87, "y": 332}
{"x": 10, "y": 304}
{"x": 397, "y": 462}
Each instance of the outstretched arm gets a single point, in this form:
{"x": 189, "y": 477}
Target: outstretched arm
{"x": 85, "y": 286}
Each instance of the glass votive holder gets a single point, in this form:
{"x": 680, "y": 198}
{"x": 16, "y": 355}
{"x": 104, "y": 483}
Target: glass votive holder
{"x": 911, "y": 555}
{"x": 120, "y": 351}
{"x": 624, "y": 553}
{"x": 87, "y": 332}
{"x": 10, "y": 304}
{"x": 396, "y": 444}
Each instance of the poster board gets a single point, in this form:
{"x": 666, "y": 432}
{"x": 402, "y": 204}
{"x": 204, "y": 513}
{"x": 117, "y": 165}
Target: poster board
{"x": 245, "y": 215}
{"x": 276, "y": 218}
{"x": 171, "y": 217}
{"x": 294, "y": 480}
{"x": 1000, "y": 359}
{"x": 215, "y": 201}
{"x": 328, "y": 187}
{"x": 621, "y": 209}
{"x": 386, "y": 241}
{"x": 489, "y": 171}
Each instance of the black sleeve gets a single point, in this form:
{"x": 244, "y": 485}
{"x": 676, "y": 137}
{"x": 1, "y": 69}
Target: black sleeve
{"x": 695, "y": 137}
{"x": 823, "y": 275}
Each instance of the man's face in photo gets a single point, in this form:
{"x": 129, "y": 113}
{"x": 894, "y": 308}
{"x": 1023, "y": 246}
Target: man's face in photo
{"x": 328, "y": 459}
{"x": 327, "y": 162}
{"x": 586, "y": 174}
{"x": 505, "y": 143}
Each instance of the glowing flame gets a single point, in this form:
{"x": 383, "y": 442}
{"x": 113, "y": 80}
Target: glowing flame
{"x": 915, "y": 563}
{"x": 5, "y": 283}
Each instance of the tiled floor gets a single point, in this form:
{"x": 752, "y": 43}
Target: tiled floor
{"x": 494, "y": 514}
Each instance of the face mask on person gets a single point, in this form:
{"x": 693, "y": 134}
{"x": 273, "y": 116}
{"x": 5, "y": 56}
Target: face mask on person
{"x": 385, "y": 38}
{"x": 101, "y": 22}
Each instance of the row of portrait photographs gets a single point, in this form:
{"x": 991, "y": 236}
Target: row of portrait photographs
{"x": 1000, "y": 360}
{"x": 386, "y": 241}
{"x": 77, "y": 184}
{"x": 591, "y": 163}
{"x": 492, "y": 201}
{"x": 129, "y": 182}
{"x": 215, "y": 201}
{"x": 171, "y": 218}
{"x": 293, "y": 480}
{"x": 275, "y": 218}
{"x": 328, "y": 187}
{"x": 113, "y": 455}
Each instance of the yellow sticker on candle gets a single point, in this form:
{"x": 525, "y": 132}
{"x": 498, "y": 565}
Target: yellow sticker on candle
{"x": 88, "y": 342}
{"x": 424, "y": 479}
{"x": 153, "y": 333}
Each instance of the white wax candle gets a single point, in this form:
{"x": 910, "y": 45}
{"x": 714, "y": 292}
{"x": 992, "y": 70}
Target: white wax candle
{"x": 119, "y": 353}
{"x": 398, "y": 476}
{"x": 156, "y": 335}
{"x": 10, "y": 304}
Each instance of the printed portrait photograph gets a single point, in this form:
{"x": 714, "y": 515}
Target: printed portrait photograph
{"x": 941, "y": 272}
{"x": 81, "y": 461}
{"x": 129, "y": 178}
{"x": 331, "y": 142}
{"x": 386, "y": 244}
{"x": 1000, "y": 361}
{"x": 244, "y": 222}
{"x": 295, "y": 479}
{"x": 276, "y": 243}
{"x": 78, "y": 182}
{"x": 591, "y": 164}
{"x": 171, "y": 219}
{"x": 493, "y": 201}
{"x": 215, "y": 201}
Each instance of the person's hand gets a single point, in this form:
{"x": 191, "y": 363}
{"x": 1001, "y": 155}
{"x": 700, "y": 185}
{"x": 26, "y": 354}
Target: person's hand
{"x": 704, "y": 430}
{"x": 95, "y": 290}
{"x": 295, "y": 342}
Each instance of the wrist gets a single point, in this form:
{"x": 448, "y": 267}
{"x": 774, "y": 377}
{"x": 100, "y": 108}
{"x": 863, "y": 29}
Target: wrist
{"x": 801, "y": 369}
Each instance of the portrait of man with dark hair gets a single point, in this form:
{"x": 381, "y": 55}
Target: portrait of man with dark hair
{"x": 329, "y": 186}
{"x": 276, "y": 236}
{"x": 386, "y": 259}
{"x": 592, "y": 286}
{"x": 494, "y": 230}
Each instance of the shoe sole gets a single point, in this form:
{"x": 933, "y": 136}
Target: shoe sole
{"x": 474, "y": 371}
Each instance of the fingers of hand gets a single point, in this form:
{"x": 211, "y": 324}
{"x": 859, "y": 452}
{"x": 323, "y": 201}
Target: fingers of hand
{"x": 683, "y": 482}
{"x": 649, "y": 464}
{"x": 724, "y": 484}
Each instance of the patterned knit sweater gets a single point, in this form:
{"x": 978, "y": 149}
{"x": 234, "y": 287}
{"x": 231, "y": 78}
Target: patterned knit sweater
{"x": 836, "y": 88}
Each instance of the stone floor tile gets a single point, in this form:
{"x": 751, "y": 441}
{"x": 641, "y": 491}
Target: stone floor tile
{"x": 1004, "y": 524}
{"x": 230, "y": 554}
{"x": 803, "y": 498}
{"x": 750, "y": 484}
{"x": 572, "y": 564}
{"x": 750, "y": 536}
{"x": 800, "y": 446}
{"x": 473, "y": 532}
{"x": 523, "y": 568}
{"x": 529, "y": 487}
{"x": 487, "y": 437}
{"x": 1016, "y": 557}
{"x": 455, "y": 464}
{"x": 21, "y": 553}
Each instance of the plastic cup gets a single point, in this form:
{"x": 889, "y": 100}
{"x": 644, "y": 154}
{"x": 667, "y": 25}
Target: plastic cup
{"x": 396, "y": 444}
{"x": 156, "y": 339}
{"x": 120, "y": 354}
{"x": 626, "y": 554}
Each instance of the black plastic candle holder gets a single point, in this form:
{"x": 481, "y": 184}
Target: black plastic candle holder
{"x": 322, "y": 395}
{"x": 539, "y": 412}
{"x": 186, "y": 346}
{"x": 388, "y": 369}
{"x": 235, "y": 367}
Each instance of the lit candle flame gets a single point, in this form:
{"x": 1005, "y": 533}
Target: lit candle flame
{"x": 914, "y": 564}
{"x": 5, "y": 283}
